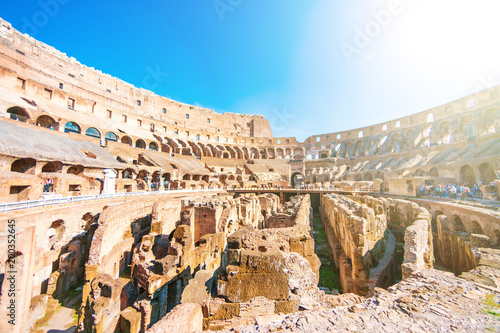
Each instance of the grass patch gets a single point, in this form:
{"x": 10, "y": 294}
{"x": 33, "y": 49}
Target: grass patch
{"x": 328, "y": 275}
{"x": 329, "y": 278}
{"x": 491, "y": 306}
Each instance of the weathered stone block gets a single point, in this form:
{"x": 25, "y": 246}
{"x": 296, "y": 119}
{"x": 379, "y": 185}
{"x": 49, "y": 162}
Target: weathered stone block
{"x": 288, "y": 306}
{"x": 184, "y": 318}
{"x": 130, "y": 320}
{"x": 227, "y": 311}
{"x": 479, "y": 241}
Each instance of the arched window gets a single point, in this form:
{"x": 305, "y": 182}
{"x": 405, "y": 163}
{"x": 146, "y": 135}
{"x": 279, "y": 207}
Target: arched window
{"x": 153, "y": 146}
{"x": 18, "y": 113}
{"x": 46, "y": 121}
{"x": 140, "y": 144}
{"x": 93, "y": 132}
{"x": 72, "y": 127}
{"x": 24, "y": 165}
{"x": 110, "y": 136}
{"x": 126, "y": 140}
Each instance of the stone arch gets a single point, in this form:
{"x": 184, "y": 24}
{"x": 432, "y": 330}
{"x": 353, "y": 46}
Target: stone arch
{"x": 434, "y": 172}
{"x": 210, "y": 150}
{"x": 296, "y": 179}
{"x": 271, "y": 153}
{"x": 458, "y": 224}
{"x": 444, "y": 132}
{"x": 358, "y": 148}
{"x": 489, "y": 118}
{"x": 476, "y": 228}
{"x": 369, "y": 177}
{"x": 186, "y": 177}
{"x": 76, "y": 170}
{"x": 142, "y": 174}
{"x": 126, "y": 140}
{"x": 487, "y": 173}
{"x": 254, "y": 154}
{"x": 56, "y": 232}
{"x": 24, "y": 165}
{"x": 245, "y": 153}
{"x": 231, "y": 151}
{"x": 140, "y": 143}
{"x": 153, "y": 146}
{"x": 128, "y": 173}
{"x": 347, "y": 150}
{"x": 419, "y": 173}
{"x": 225, "y": 155}
{"x": 222, "y": 179}
{"x": 280, "y": 153}
{"x": 298, "y": 153}
{"x": 166, "y": 176}
{"x": 423, "y": 139}
{"x": 466, "y": 126}
{"x": 467, "y": 175}
{"x": 402, "y": 142}
{"x": 110, "y": 136}
{"x": 93, "y": 132}
{"x": 52, "y": 167}
{"x": 434, "y": 220}
{"x": 239, "y": 153}
{"x": 18, "y": 113}
{"x": 72, "y": 127}
{"x": 155, "y": 177}
{"x": 47, "y": 122}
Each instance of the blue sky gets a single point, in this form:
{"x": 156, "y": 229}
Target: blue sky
{"x": 310, "y": 67}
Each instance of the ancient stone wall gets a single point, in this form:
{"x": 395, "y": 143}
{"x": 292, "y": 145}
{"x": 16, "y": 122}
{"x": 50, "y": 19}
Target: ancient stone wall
{"x": 360, "y": 242}
{"x": 415, "y": 221}
{"x": 270, "y": 270}
{"x": 174, "y": 249}
{"x": 454, "y": 247}
{"x": 473, "y": 220}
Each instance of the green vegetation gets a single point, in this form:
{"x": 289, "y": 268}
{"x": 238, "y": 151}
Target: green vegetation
{"x": 328, "y": 274}
{"x": 491, "y": 306}
{"x": 329, "y": 278}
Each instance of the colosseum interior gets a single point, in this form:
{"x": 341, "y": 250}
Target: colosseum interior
{"x": 131, "y": 212}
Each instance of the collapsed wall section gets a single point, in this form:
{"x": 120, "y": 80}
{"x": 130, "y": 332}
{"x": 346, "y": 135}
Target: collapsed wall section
{"x": 272, "y": 270}
{"x": 173, "y": 248}
{"x": 415, "y": 221}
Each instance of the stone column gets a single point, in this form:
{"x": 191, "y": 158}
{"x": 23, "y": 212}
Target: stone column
{"x": 109, "y": 181}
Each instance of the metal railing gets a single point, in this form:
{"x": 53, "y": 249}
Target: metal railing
{"x": 10, "y": 206}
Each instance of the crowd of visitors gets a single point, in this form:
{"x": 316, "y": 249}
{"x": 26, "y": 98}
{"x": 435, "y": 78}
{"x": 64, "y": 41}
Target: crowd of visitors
{"x": 457, "y": 191}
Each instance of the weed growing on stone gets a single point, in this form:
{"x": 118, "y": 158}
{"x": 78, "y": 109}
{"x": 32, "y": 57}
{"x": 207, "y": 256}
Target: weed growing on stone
{"x": 491, "y": 306}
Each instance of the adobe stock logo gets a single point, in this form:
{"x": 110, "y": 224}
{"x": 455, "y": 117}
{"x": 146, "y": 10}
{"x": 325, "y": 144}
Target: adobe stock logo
{"x": 154, "y": 78}
{"x": 486, "y": 82}
{"x": 280, "y": 119}
{"x": 363, "y": 36}
{"x": 49, "y": 9}
{"x": 223, "y": 6}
